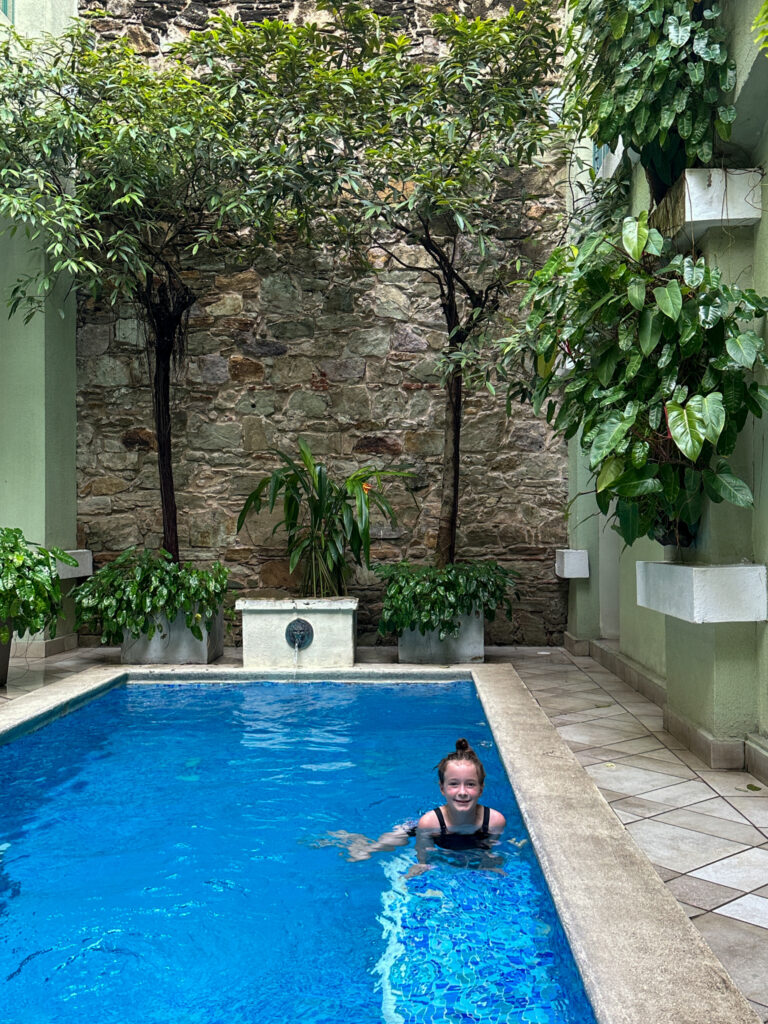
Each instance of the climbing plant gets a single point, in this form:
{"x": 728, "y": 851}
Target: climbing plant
{"x": 761, "y": 26}
{"x": 655, "y": 74}
{"x": 651, "y": 360}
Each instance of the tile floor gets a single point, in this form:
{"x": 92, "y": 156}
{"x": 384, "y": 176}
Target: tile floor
{"x": 706, "y": 832}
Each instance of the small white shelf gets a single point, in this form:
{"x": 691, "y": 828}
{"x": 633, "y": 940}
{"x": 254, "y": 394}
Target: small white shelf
{"x": 572, "y": 563}
{"x": 704, "y": 593}
{"x": 704, "y": 198}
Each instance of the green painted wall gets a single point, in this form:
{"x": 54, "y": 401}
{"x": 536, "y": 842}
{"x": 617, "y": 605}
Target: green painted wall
{"x": 33, "y": 17}
{"x": 37, "y": 413}
{"x": 642, "y": 633}
{"x": 583, "y": 595}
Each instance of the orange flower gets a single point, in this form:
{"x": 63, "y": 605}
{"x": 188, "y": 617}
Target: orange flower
{"x": 367, "y": 487}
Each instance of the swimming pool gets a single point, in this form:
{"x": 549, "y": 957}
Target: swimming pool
{"x": 168, "y": 857}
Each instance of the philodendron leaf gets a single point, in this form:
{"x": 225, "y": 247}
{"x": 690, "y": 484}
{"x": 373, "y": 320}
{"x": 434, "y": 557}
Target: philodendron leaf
{"x": 649, "y": 331}
{"x": 729, "y": 488}
{"x": 693, "y": 273}
{"x": 636, "y": 292}
{"x": 742, "y": 349}
{"x": 687, "y": 427}
{"x": 669, "y": 300}
{"x": 610, "y": 434}
{"x": 713, "y": 414}
{"x": 612, "y": 469}
{"x": 634, "y": 235}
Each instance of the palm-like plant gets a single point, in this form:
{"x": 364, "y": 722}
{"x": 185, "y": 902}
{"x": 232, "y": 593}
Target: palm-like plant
{"x": 324, "y": 520}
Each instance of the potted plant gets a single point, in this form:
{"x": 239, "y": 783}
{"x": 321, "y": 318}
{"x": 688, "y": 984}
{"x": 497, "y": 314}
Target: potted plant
{"x": 30, "y": 590}
{"x": 157, "y": 610}
{"x": 327, "y": 524}
{"x": 651, "y": 360}
{"x": 438, "y": 614}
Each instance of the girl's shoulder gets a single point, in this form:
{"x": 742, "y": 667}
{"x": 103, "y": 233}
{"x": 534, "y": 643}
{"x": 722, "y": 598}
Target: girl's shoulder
{"x": 496, "y": 821}
{"x": 428, "y": 820}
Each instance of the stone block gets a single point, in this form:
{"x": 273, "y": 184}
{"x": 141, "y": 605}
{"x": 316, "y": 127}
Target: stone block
{"x": 307, "y": 404}
{"x": 241, "y": 368}
{"x": 216, "y": 436}
{"x": 343, "y": 369}
{"x": 225, "y": 305}
{"x": 254, "y": 435}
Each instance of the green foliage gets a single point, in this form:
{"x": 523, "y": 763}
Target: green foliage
{"x": 132, "y": 593}
{"x": 325, "y": 521}
{"x": 654, "y": 73}
{"x": 761, "y": 26}
{"x": 652, "y": 361}
{"x": 30, "y": 590}
{"x": 424, "y": 598}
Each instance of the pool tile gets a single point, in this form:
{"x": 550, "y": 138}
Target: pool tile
{"x": 700, "y": 893}
{"x": 690, "y": 818}
{"x": 680, "y": 848}
{"x": 752, "y": 909}
{"x": 626, "y": 779}
{"x": 744, "y": 950}
{"x": 681, "y": 795}
{"x": 745, "y": 871}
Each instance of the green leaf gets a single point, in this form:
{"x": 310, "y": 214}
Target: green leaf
{"x": 612, "y": 469}
{"x": 687, "y": 427}
{"x": 713, "y": 414}
{"x": 669, "y": 300}
{"x": 634, "y": 235}
{"x": 649, "y": 331}
{"x": 636, "y": 292}
{"x": 610, "y": 434}
{"x": 742, "y": 349}
{"x": 730, "y": 488}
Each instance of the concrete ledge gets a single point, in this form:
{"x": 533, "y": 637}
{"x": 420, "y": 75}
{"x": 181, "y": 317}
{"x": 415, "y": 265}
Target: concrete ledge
{"x": 721, "y": 754}
{"x": 641, "y": 959}
{"x": 574, "y": 645}
{"x": 629, "y": 671}
{"x": 756, "y": 750}
{"x": 704, "y": 593}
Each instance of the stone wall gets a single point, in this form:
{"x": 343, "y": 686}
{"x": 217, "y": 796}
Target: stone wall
{"x": 293, "y": 347}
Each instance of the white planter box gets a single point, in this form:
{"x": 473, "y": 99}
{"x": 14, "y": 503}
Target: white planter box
{"x": 704, "y": 593}
{"x": 572, "y": 563}
{"x": 333, "y": 621}
{"x": 84, "y": 567}
{"x": 175, "y": 645}
{"x": 415, "y": 648}
{"x": 704, "y": 198}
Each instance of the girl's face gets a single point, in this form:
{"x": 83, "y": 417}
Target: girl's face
{"x": 461, "y": 787}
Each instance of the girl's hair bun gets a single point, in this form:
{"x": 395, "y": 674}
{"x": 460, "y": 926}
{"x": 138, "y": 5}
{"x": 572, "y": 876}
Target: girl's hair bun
{"x": 462, "y": 745}
{"x": 463, "y": 752}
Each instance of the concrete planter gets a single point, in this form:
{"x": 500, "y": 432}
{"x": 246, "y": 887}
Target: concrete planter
{"x": 572, "y": 563}
{"x": 5, "y": 655}
{"x": 306, "y": 633}
{"x": 704, "y": 198}
{"x": 469, "y": 646}
{"x": 704, "y": 593}
{"x": 175, "y": 645}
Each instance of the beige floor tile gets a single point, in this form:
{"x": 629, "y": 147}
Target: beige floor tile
{"x": 735, "y": 784}
{"x": 700, "y": 893}
{"x": 610, "y": 796}
{"x": 681, "y": 795}
{"x": 692, "y": 911}
{"x": 669, "y": 767}
{"x": 664, "y": 754}
{"x": 680, "y": 848}
{"x": 720, "y": 808}
{"x": 690, "y": 818}
{"x": 743, "y": 951}
{"x": 603, "y": 733}
{"x": 625, "y": 817}
{"x": 669, "y": 741}
{"x": 565, "y": 705}
{"x": 665, "y": 874}
{"x": 586, "y": 757}
{"x": 755, "y": 808}
{"x": 626, "y": 779}
{"x": 642, "y": 745}
{"x": 752, "y": 909}
{"x": 692, "y": 761}
{"x": 745, "y": 871}
{"x": 760, "y": 1010}
{"x": 640, "y": 806}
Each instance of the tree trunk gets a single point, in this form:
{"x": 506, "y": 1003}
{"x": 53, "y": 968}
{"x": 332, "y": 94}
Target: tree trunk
{"x": 161, "y": 393}
{"x": 445, "y": 551}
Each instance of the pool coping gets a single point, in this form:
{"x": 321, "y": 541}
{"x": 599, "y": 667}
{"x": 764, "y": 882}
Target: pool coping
{"x": 641, "y": 959}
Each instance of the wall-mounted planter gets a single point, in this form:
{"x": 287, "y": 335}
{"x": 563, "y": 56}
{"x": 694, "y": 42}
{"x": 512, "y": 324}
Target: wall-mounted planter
{"x": 415, "y": 648}
{"x": 704, "y": 593}
{"x": 704, "y": 198}
{"x": 84, "y": 566}
{"x": 175, "y": 644}
{"x": 303, "y": 633}
{"x": 572, "y": 563}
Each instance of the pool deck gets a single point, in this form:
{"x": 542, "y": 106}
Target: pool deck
{"x": 635, "y": 834}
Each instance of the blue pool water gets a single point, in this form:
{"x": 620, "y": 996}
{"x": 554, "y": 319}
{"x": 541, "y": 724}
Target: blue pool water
{"x": 167, "y": 857}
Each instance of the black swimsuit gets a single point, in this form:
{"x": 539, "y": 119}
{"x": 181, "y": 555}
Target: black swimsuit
{"x": 461, "y": 840}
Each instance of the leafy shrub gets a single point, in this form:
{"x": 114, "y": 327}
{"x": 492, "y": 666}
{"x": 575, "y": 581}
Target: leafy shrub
{"x": 30, "y": 590}
{"x": 651, "y": 359}
{"x": 133, "y": 593}
{"x": 424, "y": 598}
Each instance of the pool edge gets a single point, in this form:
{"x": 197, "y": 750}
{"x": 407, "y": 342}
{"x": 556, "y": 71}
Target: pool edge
{"x": 641, "y": 959}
